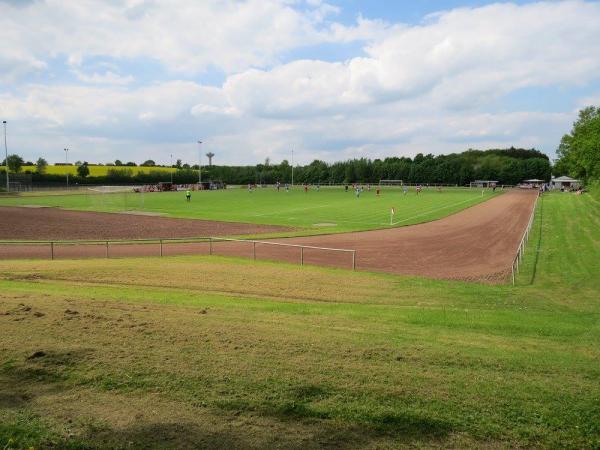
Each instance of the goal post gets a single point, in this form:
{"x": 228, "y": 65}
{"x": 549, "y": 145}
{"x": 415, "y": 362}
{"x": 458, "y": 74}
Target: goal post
{"x": 391, "y": 183}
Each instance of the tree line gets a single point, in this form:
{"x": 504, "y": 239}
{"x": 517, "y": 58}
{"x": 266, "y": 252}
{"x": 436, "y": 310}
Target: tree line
{"x": 507, "y": 166}
{"x": 579, "y": 151}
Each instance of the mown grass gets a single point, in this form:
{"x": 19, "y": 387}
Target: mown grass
{"x": 220, "y": 352}
{"x": 328, "y": 210}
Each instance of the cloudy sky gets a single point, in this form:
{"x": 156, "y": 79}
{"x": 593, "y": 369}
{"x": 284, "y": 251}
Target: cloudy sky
{"x": 141, "y": 79}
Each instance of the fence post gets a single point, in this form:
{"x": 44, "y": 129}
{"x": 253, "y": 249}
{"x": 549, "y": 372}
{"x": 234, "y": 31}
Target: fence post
{"x": 107, "y": 249}
{"x": 210, "y": 246}
{"x": 161, "y": 248}
{"x": 513, "y": 273}
{"x": 353, "y": 259}
{"x": 254, "y": 249}
{"x": 52, "y": 250}
{"x": 301, "y": 256}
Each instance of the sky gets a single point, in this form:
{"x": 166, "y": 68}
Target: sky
{"x": 256, "y": 79}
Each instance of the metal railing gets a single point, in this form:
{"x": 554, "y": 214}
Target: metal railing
{"x": 522, "y": 244}
{"x": 107, "y": 244}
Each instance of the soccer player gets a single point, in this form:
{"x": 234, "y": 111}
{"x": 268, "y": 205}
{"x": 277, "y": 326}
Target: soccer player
{"x": 188, "y": 195}
{"x": 377, "y": 191}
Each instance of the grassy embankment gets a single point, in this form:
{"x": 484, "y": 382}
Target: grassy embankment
{"x": 217, "y": 352}
{"x": 330, "y": 210}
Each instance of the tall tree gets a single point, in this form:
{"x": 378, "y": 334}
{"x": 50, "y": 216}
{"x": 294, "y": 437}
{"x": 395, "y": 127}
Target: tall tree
{"x": 15, "y": 163}
{"x": 83, "y": 170}
{"x": 41, "y": 165}
{"x": 579, "y": 151}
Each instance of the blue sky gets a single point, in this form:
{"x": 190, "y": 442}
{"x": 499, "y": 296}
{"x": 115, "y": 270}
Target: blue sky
{"x": 139, "y": 79}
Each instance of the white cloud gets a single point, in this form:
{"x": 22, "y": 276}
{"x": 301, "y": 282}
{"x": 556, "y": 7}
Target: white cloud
{"x": 107, "y": 77}
{"x": 458, "y": 59}
{"x": 184, "y": 36}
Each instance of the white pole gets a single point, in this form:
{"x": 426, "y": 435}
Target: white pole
{"x": 200, "y": 164}
{"x": 67, "y": 161}
{"x": 171, "y": 168}
{"x": 292, "y": 167}
{"x": 6, "y": 160}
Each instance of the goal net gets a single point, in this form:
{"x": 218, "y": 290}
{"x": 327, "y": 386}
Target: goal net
{"x": 391, "y": 183}
{"x": 112, "y": 189}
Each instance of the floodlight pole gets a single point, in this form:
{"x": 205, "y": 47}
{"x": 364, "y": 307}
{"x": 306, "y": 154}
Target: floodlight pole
{"x": 67, "y": 163}
{"x": 171, "y": 168}
{"x": 200, "y": 164}
{"x": 292, "y": 167}
{"x": 6, "y": 160}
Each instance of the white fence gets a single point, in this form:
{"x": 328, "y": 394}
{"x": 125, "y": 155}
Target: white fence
{"x": 155, "y": 247}
{"x": 521, "y": 249}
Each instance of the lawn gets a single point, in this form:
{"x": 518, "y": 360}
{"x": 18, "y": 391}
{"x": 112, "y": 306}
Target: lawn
{"x": 214, "y": 352}
{"x": 95, "y": 171}
{"x": 327, "y": 210}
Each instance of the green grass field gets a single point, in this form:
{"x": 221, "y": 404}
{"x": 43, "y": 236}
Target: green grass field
{"x": 95, "y": 171}
{"x": 329, "y": 210}
{"x": 218, "y": 352}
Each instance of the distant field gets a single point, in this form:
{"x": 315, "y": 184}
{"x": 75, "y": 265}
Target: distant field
{"x": 213, "y": 352}
{"x": 95, "y": 171}
{"x": 328, "y": 210}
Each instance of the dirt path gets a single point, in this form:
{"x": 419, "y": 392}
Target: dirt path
{"x": 476, "y": 244}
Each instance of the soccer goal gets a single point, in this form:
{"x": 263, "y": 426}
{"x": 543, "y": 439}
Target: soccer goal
{"x": 391, "y": 183}
{"x": 112, "y": 189}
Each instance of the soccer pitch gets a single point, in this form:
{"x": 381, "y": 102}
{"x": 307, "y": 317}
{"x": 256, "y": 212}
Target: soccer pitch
{"x": 325, "y": 211}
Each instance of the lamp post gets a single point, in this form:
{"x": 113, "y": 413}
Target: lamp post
{"x": 200, "y": 164}
{"x": 171, "y": 168}
{"x": 6, "y": 160}
{"x": 67, "y": 164}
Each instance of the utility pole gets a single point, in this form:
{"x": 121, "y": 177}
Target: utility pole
{"x": 292, "y": 167}
{"x": 171, "y": 168}
{"x": 6, "y": 160}
{"x": 67, "y": 165}
{"x": 200, "y": 164}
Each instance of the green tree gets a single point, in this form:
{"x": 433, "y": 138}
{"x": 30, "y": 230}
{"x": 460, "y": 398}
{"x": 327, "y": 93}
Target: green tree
{"x": 83, "y": 170}
{"x": 148, "y": 163}
{"x": 579, "y": 151}
{"x": 118, "y": 162}
{"x": 15, "y": 163}
{"x": 41, "y": 165}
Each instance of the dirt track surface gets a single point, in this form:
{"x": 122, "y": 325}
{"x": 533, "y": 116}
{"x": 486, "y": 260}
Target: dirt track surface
{"x": 55, "y": 224}
{"x": 476, "y": 244}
